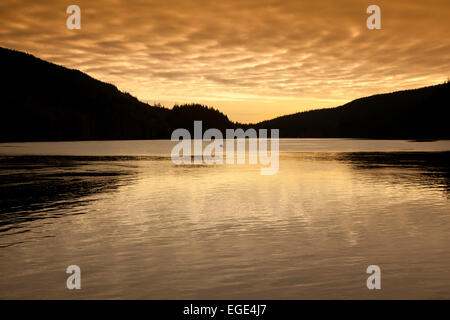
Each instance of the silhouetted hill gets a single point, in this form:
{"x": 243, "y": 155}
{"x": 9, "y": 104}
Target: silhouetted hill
{"x": 412, "y": 114}
{"x": 41, "y": 101}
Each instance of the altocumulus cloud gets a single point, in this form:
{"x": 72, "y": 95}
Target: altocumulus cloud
{"x": 253, "y": 59}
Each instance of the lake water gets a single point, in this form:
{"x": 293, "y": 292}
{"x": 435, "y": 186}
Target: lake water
{"x": 141, "y": 227}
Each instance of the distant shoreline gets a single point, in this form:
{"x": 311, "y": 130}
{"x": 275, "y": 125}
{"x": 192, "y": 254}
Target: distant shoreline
{"x": 282, "y": 138}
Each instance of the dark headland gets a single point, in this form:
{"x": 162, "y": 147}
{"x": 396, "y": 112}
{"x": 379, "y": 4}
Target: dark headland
{"x": 41, "y": 101}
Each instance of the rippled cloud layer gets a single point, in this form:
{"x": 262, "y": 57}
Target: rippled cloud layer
{"x": 252, "y": 59}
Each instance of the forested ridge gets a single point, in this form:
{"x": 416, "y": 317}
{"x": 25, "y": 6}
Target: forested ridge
{"x": 41, "y": 101}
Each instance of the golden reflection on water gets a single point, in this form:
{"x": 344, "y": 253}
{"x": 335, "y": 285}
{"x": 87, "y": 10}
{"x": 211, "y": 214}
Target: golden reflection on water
{"x": 145, "y": 228}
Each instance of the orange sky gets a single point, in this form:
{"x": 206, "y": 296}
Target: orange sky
{"x": 252, "y": 59}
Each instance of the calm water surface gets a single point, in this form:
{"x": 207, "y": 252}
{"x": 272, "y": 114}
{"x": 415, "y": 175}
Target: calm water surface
{"x": 141, "y": 227}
